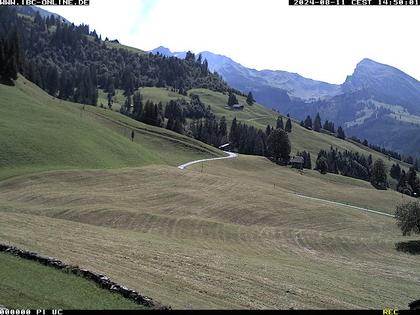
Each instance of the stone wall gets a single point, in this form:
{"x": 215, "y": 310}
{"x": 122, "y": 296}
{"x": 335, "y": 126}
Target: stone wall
{"x": 100, "y": 279}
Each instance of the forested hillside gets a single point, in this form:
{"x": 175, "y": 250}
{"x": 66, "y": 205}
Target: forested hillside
{"x": 71, "y": 62}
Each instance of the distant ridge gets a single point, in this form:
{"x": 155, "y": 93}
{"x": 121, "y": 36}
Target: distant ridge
{"x": 378, "y": 102}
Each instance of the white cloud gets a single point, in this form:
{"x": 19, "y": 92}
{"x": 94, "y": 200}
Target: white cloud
{"x": 323, "y": 43}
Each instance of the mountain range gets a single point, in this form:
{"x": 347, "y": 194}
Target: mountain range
{"x": 377, "y": 102}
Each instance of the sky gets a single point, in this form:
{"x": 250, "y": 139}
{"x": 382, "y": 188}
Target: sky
{"x": 321, "y": 43}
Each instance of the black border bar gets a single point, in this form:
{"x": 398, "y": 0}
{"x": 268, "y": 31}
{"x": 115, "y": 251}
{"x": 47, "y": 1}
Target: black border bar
{"x": 354, "y": 2}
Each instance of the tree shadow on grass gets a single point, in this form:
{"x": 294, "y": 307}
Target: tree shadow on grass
{"x": 409, "y": 247}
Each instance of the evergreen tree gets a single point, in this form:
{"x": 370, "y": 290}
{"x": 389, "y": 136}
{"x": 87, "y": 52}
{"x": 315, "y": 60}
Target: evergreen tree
{"x": 288, "y": 127}
{"x": 250, "y": 99}
{"x": 308, "y": 162}
{"x": 190, "y": 56}
{"x": 232, "y": 100}
{"x": 321, "y": 164}
{"x": 395, "y": 171}
{"x": 268, "y": 130}
{"x": 66, "y": 85}
{"x": 52, "y": 80}
{"x": 137, "y": 105}
{"x": 308, "y": 122}
{"x": 278, "y": 145}
{"x": 413, "y": 181}
{"x": 279, "y": 124}
{"x": 379, "y": 177}
{"x": 317, "y": 123}
{"x": 223, "y": 129}
{"x": 340, "y": 133}
{"x": 403, "y": 186}
{"x": 329, "y": 126}
{"x": 234, "y": 132}
{"x": 110, "y": 101}
{"x": 306, "y": 159}
{"x": 126, "y": 109}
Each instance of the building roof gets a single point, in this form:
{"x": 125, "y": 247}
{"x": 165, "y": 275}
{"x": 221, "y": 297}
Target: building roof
{"x": 297, "y": 159}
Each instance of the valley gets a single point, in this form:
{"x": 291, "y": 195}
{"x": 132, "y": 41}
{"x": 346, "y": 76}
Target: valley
{"x": 225, "y": 234}
{"x": 151, "y": 169}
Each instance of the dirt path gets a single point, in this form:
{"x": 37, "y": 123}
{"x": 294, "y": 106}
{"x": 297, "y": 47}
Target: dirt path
{"x": 230, "y": 156}
{"x": 234, "y": 155}
{"x": 346, "y": 205}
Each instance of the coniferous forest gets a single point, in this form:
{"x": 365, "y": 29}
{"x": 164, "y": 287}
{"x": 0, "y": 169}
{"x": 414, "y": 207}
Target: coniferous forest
{"x": 72, "y": 62}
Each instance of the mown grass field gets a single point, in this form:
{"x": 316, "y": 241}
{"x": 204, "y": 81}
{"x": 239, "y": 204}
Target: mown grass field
{"x": 29, "y": 285}
{"x": 224, "y": 238}
{"x": 39, "y": 132}
{"x": 225, "y": 234}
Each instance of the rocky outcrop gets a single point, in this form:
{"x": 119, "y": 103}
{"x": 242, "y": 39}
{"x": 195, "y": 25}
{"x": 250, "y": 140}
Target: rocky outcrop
{"x": 100, "y": 279}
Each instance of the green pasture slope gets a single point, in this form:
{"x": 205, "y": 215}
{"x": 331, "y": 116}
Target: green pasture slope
{"x": 259, "y": 116}
{"x": 39, "y": 132}
{"x": 29, "y": 285}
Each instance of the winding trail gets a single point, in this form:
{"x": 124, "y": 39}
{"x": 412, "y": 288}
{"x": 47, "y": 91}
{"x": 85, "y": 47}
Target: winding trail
{"x": 230, "y": 156}
{"x": 346, "y": 205}
{"x": 235, "y": 155}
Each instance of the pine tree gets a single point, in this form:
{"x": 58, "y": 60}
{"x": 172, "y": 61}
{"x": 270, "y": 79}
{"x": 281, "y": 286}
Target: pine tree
{"x": 317, "y": 123}
{"x": 232, "y": 100}
{"x": 52, "y": 80}
{"x": 288, "y": 127}
{"x": 268, "y": 130}
{"x": 278, "y": 145}
{"x": 250, "y": 99}
{"x": 280, "y": 123}
{"x": 395, "y": 171}
{"x": 308, "y": 122}
{"x": 403, "y": 186}
{"x": 413, "y": 181}
{"x": 137, "y": 105}
{"x": 110, "y": 101}
{"x": 340, "y": 133}
{"x": 223, "y": 129}
{"x": 379, "y": 177}
{"x": 308, "y": 162}
{"x": 127, "y": 105}
{"x": 233, "y": 134}
{"x": 321, "y": 164}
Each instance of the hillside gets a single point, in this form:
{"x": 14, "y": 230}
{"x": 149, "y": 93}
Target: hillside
{"x": 233, "y": 234}
{"x": 30, "y": 285}
{"x": 259, "y": 116}
{"x": 39, "y": 132}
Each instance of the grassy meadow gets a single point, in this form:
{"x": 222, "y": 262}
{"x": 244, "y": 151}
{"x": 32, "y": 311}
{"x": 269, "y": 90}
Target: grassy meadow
{"x": 223, "y": 234}
{"x": 39, "y": 132}
{"x": 222, "y": 238}
{"x": 30, "y": 285}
